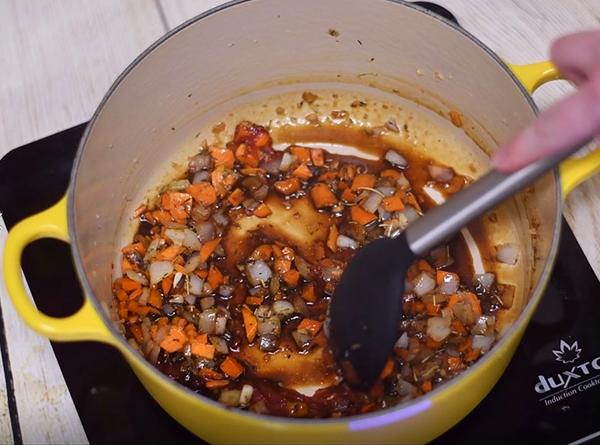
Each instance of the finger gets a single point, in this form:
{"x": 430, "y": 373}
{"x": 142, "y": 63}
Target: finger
{"x": 577, "y": 55}
{"x": 564, "y": 124}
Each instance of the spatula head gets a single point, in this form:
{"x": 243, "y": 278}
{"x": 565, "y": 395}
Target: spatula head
{"x": 366, "y": 309}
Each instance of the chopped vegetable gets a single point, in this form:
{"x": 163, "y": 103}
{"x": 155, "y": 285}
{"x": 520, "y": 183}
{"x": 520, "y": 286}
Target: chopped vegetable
{"x": 322, "y": 196}
{"x": 250, "y": 323}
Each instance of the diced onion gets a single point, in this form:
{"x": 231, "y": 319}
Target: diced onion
{"x": 273, "y": 164}
{"x": 302, "y": 267}
{"x": 143, "y": 300}
{"x": 484, "y": 325}
{"x": 175, "y": 235}
{"x": 302, "y": 338}
{"x": 196, "y": 284}
{"x": 177, "y": 299}
{"x": 507, "y": 253}
{"x": 136, "y": 276}
{"x": 205, "y": 231}
{"x": 179, "y": 185}
{"x": 331, "y": 273}
{"x": 190, "y": 240}
{"x": 159, "y": 270}
{"x": 402, "y": 342}
{"x": 202, "y": 176}
{"x": 449, "y": 284}
{"x": 283, "y": 308}
{"x": 176, "y": 279}
{"x": 440, "y": 174}
{"x": 152, "y": 249}
{"x": 207, "y": 302}
{"x": 225, "y": 290}
{"x": 402, "y": 182}
{"x": 483, "y": 342}
{"x": 384, "y": 215}
{"x": 410, "y": 214}
{"x": 395, "y": 158}
{"x": 221, "y": 219}
{"x": 246, "y": 395}
{"x": 219, "y": 344}
{"x": 230, "y": 397}
{"x": 438, "y": 328}
{"x": 220, "y": 325}
{"x": 270, "y": 325}
{"x": 286, "y": 161}
{"x": 485, "y": 280}
{"x": 192, "y": 263}
{"x": 190, "y": 299}
{"x": 206, "y": 321}
{"x": 372, "y": 202}
{"x": 258, "y": 272}
{"x": 423, "y": 284}
{"x": 344, "y": 242}
{"x": 199, "y": 162}
{"x": 387, "y": 191}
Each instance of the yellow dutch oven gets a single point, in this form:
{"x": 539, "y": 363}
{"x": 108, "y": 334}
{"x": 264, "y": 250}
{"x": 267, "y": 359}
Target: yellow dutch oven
{"x": 237, "y": 52}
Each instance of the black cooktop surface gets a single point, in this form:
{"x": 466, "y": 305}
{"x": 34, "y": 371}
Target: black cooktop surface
{"x": 549, "y": 393}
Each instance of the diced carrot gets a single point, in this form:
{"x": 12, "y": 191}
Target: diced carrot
{"x": 287, "y": 186}
{"x": 332, "y": 238}
{"x": 393, "y": 203}
{"x": 254, "y": 300}
{"x": 432, "y": 309}
{"x": 190, "y": 331}
{"x": 250, "y": 171}
{"x": 310, "y": 325}
{"x": 277, "y": 252}
{"x": 202, "y": 273}
{"x": 139, "y": 211}
{"x": 426, "y": 386}
{"x": 250, "y": 323}
{"x": 125, "y": 265}
{"x": 215, "y": 277}
{"x": 441, "y": 276}
{"x": 282, "y": 265}
{"x": 361, "y": 216}
{"x": 136, "y": 330}
{"x": 134, "y": 307}
{"x": 121, "y": 295}
{"x": 457, "y": 327}
{"x": 302, "y": 172}
{"x": 348, "y": 195}
{"x": 302, "y": 153}
{"x": 174, "y": 340}
{"x": 418, "y": 307}
{"x": 223, "y": 156}
{"x": 409, "y": 199}
{"x": 211, "y": 374}
{"x": 134, "y": 247}
{"x": 291, "y": 277}
{"x": 236, "y": 197}
{"x": 363, "y": 180}
{"x": 465, "y": 345}
{"x": 179, "y": 268}
{"x": 129, "y": 285}
{"x": 308, "y": 293}
{"x": 208, "y": 248}
{"x": 387, "y": 369}
{"x": 433, "y": 344}
{"x": 474, "y": 302}
{"x": 472, "y": 354}
{"x": 162, "y": 216}
{"x": 155, "y": 298}
{"x": 231, "y": 367}
{"x": 203, "y": 193}
{"x": 123, "y": 312}
{"x": 135, "y": 294}
{"x": 262, "y": 252}
{"x": 328, "y": 176}
{"x": 203, "y": 350}
{"x": 217, "y": 383}
{"x": 425, "y": 266}
{"x": 391, "y": 173}
{"x": 322, "y": 196}
{"x": 166, "y": 284}
{"x": 246, "y": 157}
{"x": 454, "y": 363}
{"x": 402, "y": 353}
{"x": 169, "y": 253}
{"x": 318, "y": 157}
{"x": 262, "y": 211}
{"x": 177, "y": 203}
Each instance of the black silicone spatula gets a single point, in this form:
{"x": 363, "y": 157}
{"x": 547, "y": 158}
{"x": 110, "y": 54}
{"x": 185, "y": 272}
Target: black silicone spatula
{"x": 366, "y": 307}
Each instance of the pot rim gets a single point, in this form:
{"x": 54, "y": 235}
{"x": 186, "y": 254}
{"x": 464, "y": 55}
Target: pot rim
{"x": 412, "y": 406}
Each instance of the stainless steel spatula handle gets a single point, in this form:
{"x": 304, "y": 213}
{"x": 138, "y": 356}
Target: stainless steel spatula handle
{"x": 443, "y": 221}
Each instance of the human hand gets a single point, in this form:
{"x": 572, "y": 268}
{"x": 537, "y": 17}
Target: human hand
{"x": 569, "y": 121}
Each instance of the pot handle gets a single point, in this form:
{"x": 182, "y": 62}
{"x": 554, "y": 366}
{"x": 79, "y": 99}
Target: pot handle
{"x": 85, "y": 324}
{"x": 574, "y": 170}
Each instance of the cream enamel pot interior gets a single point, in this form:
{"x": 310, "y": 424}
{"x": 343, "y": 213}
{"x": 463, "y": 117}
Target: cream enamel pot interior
{"x": 244, "y": 51}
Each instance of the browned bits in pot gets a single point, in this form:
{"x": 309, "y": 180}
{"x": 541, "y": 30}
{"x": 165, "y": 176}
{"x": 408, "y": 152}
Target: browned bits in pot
{"x": 309, "y": 97}
{"x": 456, "y": 118}
{"x": 280, "y": 111}
{"x": 234, "y": 264}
